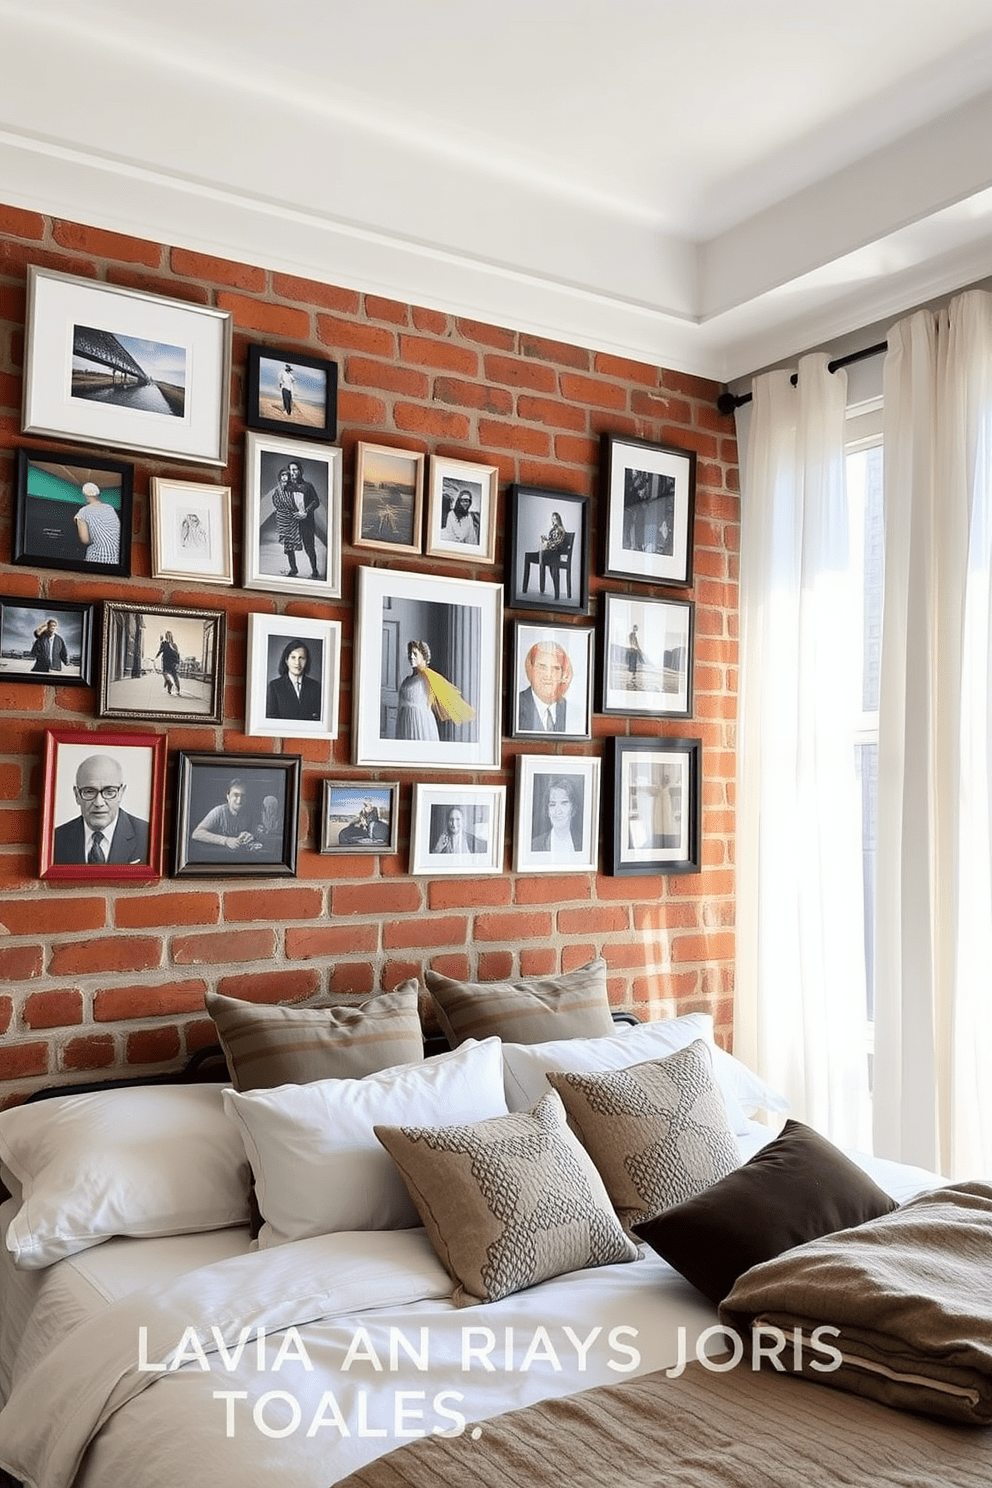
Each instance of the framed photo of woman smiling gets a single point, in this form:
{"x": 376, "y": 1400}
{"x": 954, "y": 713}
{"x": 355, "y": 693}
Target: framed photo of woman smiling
{"x": 557, "y": 826}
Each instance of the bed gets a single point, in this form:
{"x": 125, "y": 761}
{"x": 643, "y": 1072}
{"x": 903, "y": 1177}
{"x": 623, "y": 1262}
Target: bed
{"x": 151, "y": 1333}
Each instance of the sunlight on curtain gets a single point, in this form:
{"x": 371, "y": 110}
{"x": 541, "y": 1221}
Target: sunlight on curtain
{"x": 800, "y": 997}
{"x": 933, "y": 1000}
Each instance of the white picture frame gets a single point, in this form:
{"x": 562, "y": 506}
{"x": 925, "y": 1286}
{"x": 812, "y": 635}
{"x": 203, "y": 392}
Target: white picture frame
{"x": 271, "y": 546}
{"x": 191, "y": 531}
{"x": 457, "y": 829}
{"x": 552, "y": 673}
{"x": 282, "y": 702}
{"x": 557, "y": 818}
{"x": 461, "y": 510}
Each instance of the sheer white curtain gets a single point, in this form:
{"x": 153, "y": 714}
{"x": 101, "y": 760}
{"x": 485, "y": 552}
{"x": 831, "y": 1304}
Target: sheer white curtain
{"x": 800, "y": 994}
{"x": 933, "y": 971}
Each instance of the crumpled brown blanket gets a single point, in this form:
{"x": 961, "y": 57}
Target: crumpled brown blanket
{"x": 910, "y": 1295}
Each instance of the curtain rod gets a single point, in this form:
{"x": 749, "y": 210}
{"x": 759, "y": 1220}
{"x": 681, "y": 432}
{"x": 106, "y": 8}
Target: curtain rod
{"x": 729, "y": 402}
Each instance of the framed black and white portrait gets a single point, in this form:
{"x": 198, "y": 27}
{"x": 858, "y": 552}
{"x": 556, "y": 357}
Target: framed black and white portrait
{"x": 292, "y": 519}
{"x": 646, "y": 657}
{"x": 461, "y": 511}
{"x": 236, "y": 815}
{"x": 547, "y": 564}
{"x": 457, "y": 829}
{"x": 101, "y": 816}
{"x": 294, "y": 672}
{"x": 47, "y": 641}
{"x": 657, "y": 793}
{"x": 160, "y": 661}
{"x": 551, "y": 694}
{"x": 650, "y": 500}
{"x": 427, "y": 683}
{"x": 557, "y": 822}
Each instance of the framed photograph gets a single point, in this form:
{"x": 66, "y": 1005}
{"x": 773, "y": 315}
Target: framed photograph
{"x": 650, "y": 498}
{"x": 359, "y": 816}
{"x": 236, "y": 815}
{"x": 389, "y": 498}
{"x": 656, "y": 806}
{"x": 191, "y": 531}
{"x": 161, "y": 662}
{"x": 457, "y": 829}
{"x": 291, "y": 392}
{"x": 46, "y": 640}
{"x": 294, "y": 677}
{"x": 551, "y": 695}
{"x": 292, "y": 520}
{"x": 73, "y": 513}
{"x": 101, "y": 816}
{"x": 428, "y": 671}
{"x": 109, "y": 365}
{"x": 647, "y": 657}
{"x": 547, "y": 566}
{"x": 557, "y": 826}
{"x": 461, "y": 511}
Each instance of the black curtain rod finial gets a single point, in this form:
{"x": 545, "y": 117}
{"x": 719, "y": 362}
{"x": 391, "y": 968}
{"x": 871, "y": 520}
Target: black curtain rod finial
{"x": 728, "y": 403}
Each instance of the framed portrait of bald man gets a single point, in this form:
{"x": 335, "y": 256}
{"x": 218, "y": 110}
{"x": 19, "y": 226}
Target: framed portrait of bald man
{"x": 102, "y": 811}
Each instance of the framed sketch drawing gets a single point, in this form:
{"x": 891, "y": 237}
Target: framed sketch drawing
{"x": 547, "y": 566}
{"x": 657, "y": 795}
{"x": 291, "y": 392}
{"x": 294, "y": 677}
{"x": 650, "y": 500}
{"x": 359, "y": 816}
{"x": 191, "y": 531}
{"x": 292, "y": 520}
{"x": 236, "y": 815}
{"x": 461, "y": 511}
{"x": 161, "y": 662}
{"x": 557, "y": 825}
{"x": 457, "y": 829}
{"x": 101, "y": 816}
{"x": 73, "y": 512}
{"x": 108, "y": 365}
{"x": 551, "y": 694}
{"x": 46, "y": 640}
{"x": 427, "y": 681}
{"x": 389, "y": 498}
{"x": 646, "y": 657}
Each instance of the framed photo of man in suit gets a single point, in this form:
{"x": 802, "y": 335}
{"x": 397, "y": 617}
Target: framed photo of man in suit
{"x": 551, "y": 696}
{"x": 102, "y": 810}
{"x": 294, "y": 676}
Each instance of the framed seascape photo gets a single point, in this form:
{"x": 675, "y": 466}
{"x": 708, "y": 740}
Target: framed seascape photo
{"x": 359, "y": 816}
{"x": 108, "y": 365}
{"x": 236, "y": 815}
{"x": 457, "y": 829}
{"x": 101, "y": 815}
{"x": 294, "y": 677}
{"x": 551, "y": 695}
{"x": 44, "y": 640}
{"x": 73, "y": 512}
{"x": 547, "y": 565}
{"x": 291, "y": 392}
{"x": 650, "y": 499}
{"x": 656, "y": 806}
{"x": 389, "y": 498}
{"x": 427, "y": 684}
{"x": 191, "y": 531}
{"x": 646, "y": 657}
{"x": 161, "y": 662}
{"x": 461, "y": 511}
{"x": 292, "y": 520}
{"x": 557, "y": 825}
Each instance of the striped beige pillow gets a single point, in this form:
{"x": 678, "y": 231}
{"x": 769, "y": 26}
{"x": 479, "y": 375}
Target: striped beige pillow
{"x": 269, "y": 1044}
{"x": 529, "y": 1011}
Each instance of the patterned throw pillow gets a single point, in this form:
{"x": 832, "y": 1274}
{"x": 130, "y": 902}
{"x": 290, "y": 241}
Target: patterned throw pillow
{"x": 658, "y": 1132}
{"x": 509, "y": 1201}
{"x": 528, "y": 1011}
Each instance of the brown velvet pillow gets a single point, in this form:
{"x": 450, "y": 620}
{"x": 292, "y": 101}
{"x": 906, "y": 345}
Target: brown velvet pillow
{"x": 529, "y": 1011}
{"x": 797, "y": 1188}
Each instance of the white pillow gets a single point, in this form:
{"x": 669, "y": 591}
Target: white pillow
{"x": 524, "y": 1065}
{"x": 317, "y": 1162}
{"x": 148, "y": 1160}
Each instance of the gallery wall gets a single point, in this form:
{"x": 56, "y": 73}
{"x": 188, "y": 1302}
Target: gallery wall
{"x": 96, "y": 976}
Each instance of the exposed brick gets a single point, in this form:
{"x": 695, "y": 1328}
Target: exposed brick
{"x": 118, "y": 1004}
{"x": 432, "y": 931}
{"x": 520, "y": 372}
{"x": 488, "y": 335}
{"x": 91, "y": 1051}
{"x": 434, "y": 422}
{"x": 552, "y": 888}
{"x": 318, "y": 941}
{"x": 593, "y": 919}
{"x": 217, "y": 270}
{"x": 434, "y": 321}
{"x": 167, "y": 909}
{"x": 538, "y": 961}
{"x": 220, "y": 947}
{"x": 468, "y": 893}
{"x": 20, "y": 223}
{"x": 360, "y": 409}
{"x": 512, "y": 927}
{"x": 53, "y": 1009}
{"x": 512, "y": 437}
{"x": 102, "y": 954}
{"x": 466, "y": 394}
{"x": 288, "y": 984}
{"x": 356, "y": 976}
{"x": 555, "y": 351}
{"x": 312, "y": 292}
{"x": 386, "y": 375}
{"x": 6, "y": 1012}
{"x": 21, "y": 963}
{"x": 355, "y": 336}
{"x": 261, "y": 315}
{"x": 443, "y": 354}
{"x": 495, "y": 966}
{"x": 549, "y": 411}
{"x": 265, "y": 905}
{"x": 97, "y": 242}
{"x": 379, "y": 308}
{"x": 376, "y": 898}
{"x": 152, "y": 1046}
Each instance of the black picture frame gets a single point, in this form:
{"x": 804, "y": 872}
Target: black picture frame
{"x": 204, "y": 788}
{"x": 646, "y": 657}
{"x": 26, "y": 656}
{"x": 162, "y": 662}
{"x": 657, "y": 806}
{"x": 309, "y": 408}
{"x": 650, "y": 509}
{"x": 49, "y": 496}
{"x": 545, "y": 571}
{"x": 552, "y": 670}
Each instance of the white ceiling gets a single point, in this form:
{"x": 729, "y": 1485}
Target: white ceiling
{"x": 707, "y": 184}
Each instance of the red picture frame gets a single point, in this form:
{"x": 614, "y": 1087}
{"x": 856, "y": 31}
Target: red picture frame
{"x": 131, "y": 835}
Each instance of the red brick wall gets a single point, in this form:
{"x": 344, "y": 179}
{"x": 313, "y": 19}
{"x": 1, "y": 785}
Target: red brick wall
{"x": 92, "y": 979}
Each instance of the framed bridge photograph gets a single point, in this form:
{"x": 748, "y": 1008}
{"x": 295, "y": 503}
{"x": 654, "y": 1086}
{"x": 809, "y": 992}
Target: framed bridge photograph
{"x": 114, "y": 366}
